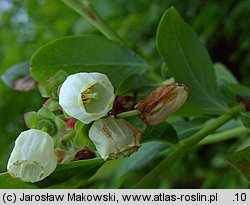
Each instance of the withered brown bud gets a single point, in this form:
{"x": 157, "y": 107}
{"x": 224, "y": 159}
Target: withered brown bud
{"x": 123, "y": 104}
{"x": 84, "y": 154}
{"x": 161, "y": 103}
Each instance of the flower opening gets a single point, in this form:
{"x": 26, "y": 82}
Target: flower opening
{"x": 86, "y": 96}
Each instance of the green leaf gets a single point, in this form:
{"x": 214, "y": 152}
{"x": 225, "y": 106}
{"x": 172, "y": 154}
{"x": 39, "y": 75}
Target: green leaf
{"x": 224, "y": 78}
{"x": 163, "y": 132}
{"x": 189, "y": 62}
{"x": 137, "y": 160}
{"x": 8, "y": 182}
{"x": 186, "y": 129}
{"x": 223, "y": 73}
{"x": 66, "y": 171}
{"x": 62, "y": 177}
{"x": 241, "y": 162}
{"x": 138, "y": 83}
{"x": 245, "y": 118}
{"x": 87, "y": 53}
{"x": 239, "y": 89}
{"x": 227, "y": 93}
{"x": 137, "y": 122}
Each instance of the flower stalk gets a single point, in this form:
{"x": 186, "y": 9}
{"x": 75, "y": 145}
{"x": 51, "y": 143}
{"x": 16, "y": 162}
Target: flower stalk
{"x": 128, "y": 114}
{"x": 186, "y": 145}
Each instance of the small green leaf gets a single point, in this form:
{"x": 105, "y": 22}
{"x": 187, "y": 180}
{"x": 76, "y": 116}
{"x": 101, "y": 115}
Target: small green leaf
{"x": 189, "y": 62}
{"x": 87, "y": 53}
{"x": 51, "y": 104}
{"x": 46, "y": 119}
{"x": 241, "y": 162}
{"x": 32, "y": 119}
{"x": 47, "y": 114}
{"x": 163, "y": 132}
{"x": 82, "y": 137}
{"x": 49, "y": 87}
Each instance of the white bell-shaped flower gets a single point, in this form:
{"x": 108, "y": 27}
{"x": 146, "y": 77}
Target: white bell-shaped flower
{"x": 114, "y": 138}
{"x": 86, "y": 96}
{"x": 33, "y": 157}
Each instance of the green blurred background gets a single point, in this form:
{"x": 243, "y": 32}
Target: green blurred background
{"x": 223, "y": 26}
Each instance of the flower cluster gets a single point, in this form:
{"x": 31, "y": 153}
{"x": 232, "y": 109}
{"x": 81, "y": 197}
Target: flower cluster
{"x": 76, "y": 123}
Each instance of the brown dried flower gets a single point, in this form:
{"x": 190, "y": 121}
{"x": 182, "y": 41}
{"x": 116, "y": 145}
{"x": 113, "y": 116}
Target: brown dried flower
{"x": 161, "y": 103}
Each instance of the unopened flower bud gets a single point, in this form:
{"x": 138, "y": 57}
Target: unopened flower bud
{"x": 86, "y": 96}
{"x": 33, "y": 157}
{"x": 114, "y": 138}
{"x": 161, "y": 103}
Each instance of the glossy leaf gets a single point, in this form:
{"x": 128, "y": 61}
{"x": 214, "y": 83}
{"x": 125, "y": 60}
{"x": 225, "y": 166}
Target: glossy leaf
{"x": 241, "y": 162}
{"x": 163, "y": 132}
{"x": 86, "y": 167}
{"x": 222, "y": 73}
{"x": 88, "y": 53}
{"x": 135, "y": 83}
{"x": 227, "y": 92}
{"x": 8, "y": 182}
{"x": 61, "y": 178}
{"x": 186, "y": 129}
{"x": 137, "y": 160}
{"x": 189, "y": 61}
